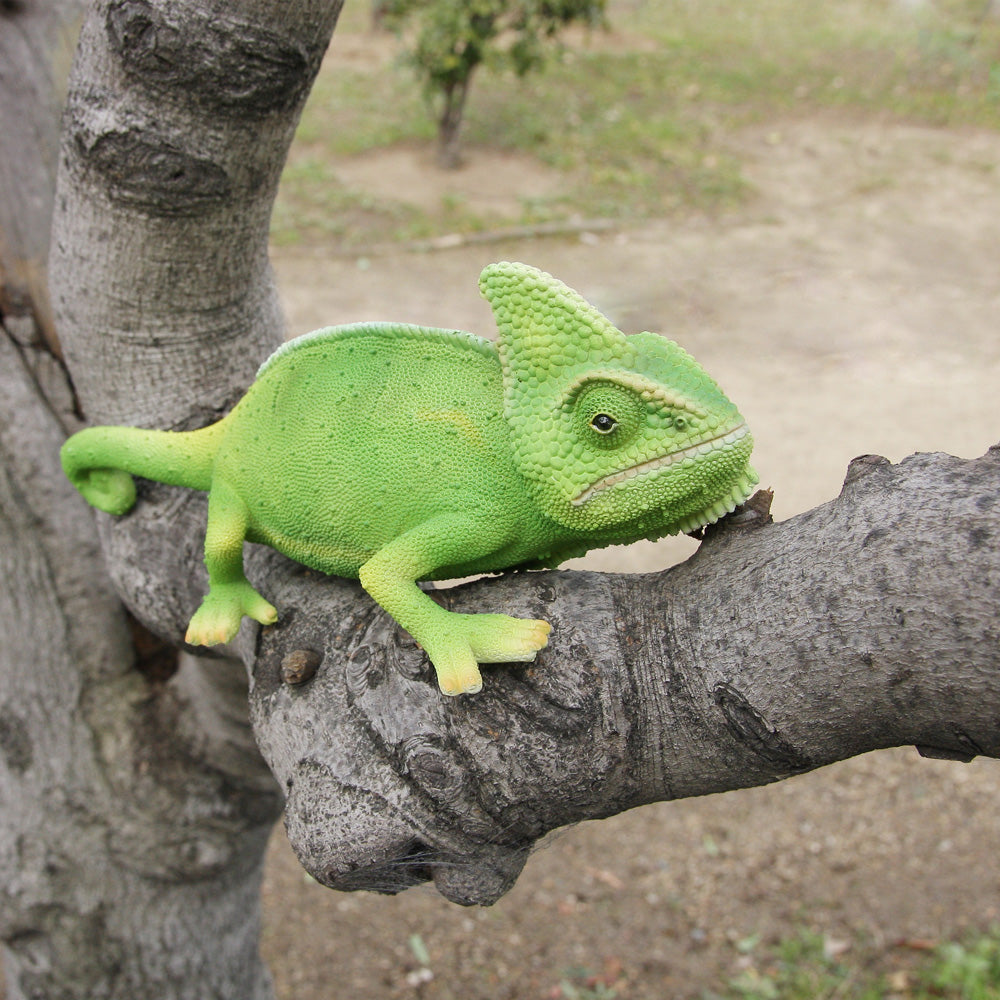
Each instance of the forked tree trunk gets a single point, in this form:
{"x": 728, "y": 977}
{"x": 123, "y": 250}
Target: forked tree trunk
{"x": 134, "y": 806}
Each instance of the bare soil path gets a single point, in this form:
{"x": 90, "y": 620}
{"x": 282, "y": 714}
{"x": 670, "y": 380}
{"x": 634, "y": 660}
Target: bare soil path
{"x": 853, "y": 306}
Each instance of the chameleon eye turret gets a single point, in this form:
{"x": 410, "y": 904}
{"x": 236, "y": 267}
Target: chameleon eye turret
{"x": 575, "y": 437}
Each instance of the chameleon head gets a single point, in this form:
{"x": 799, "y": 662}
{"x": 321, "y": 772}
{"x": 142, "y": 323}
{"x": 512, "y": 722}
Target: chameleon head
{"x": 611, "y": 431}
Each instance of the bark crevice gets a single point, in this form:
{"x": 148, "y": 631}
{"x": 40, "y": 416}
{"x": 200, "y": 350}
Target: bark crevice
{"x": 154, "y": 173}
{"x": 225, "y": 62}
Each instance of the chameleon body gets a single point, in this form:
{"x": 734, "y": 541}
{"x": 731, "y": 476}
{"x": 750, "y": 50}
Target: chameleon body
{"x": 394, "y": 453}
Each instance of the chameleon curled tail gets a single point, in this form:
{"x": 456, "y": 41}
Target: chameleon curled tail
{"x": 100, "y": 462}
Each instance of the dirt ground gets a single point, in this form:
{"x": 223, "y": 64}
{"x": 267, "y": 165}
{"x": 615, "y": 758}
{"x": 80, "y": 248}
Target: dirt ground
{"x": 851, "y": 307}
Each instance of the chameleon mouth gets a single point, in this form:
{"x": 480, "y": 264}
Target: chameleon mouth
{"x": 724, "y": 440}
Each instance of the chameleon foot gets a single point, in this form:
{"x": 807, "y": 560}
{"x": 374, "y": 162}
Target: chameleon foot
{"x": 502, "y": 639}
{"x": 475, "y": 639}
{"x": 218, "y": 619}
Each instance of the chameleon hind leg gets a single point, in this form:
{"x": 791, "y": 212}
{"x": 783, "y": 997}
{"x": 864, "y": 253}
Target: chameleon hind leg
{"x": 455, "y": 643}
{"x": 230, "y": 595}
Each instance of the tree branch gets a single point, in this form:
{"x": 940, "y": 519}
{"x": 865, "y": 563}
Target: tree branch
{"x": 868, "y": 622}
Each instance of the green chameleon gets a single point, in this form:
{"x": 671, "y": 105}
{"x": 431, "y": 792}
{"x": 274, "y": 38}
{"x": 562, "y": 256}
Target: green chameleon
{"x": 393, "y": 453}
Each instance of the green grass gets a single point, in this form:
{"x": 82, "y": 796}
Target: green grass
{"x": 798, "y": 968}
{"x": 802, "y": 968}
{"x": 969, "y": 971}
{"x": 640, "y": 122}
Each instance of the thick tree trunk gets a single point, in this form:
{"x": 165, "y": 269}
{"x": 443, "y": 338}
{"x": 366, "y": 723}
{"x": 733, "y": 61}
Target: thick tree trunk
{"x": 134, "y": 815}
{"x": 134, "y": 806}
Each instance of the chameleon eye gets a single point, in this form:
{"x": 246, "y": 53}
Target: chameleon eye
{"x": 607, "y": 415}
{"x": 603, "y": 423}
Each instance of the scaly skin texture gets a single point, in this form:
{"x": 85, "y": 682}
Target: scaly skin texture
{"x": 394, "y": 453}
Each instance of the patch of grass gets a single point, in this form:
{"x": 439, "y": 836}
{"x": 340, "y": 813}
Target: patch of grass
{"x": 353, "y": 110}
{"x": 640, "y": 120}
{"x": 964, "y": 971}
{"x": 801, "y": 967}
{"x": 622, "y": 129}
{"x": 805, "y": 967}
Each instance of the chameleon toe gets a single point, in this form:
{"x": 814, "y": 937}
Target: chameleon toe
{"x": 209, "y": 632}
{"x": 466, "y": 687}
{"x": 262, "y": 611}
{"x": 502, "y": 639}
{"x": 457, "y": 680}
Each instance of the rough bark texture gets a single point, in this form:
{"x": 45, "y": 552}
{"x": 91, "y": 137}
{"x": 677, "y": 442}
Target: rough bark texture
{"x": 134, "y": 806}
{"x": 36, "y": 45}
{"x": 868, "y": 622}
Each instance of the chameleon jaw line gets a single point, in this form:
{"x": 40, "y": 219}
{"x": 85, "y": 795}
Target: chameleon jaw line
{"x": 701, "y": 448}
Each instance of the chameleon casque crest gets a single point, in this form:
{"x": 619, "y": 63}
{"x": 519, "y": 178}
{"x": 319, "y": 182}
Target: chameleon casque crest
{"x": 392, "y": 453}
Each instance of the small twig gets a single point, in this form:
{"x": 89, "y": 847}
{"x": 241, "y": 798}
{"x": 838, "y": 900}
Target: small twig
{"x": 452, "y": 241}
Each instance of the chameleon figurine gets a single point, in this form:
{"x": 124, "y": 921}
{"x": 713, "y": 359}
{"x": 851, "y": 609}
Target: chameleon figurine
{"x": 394, "y": 453}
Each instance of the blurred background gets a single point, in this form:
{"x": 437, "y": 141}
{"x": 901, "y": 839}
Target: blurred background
{"x": 804, "y": 194}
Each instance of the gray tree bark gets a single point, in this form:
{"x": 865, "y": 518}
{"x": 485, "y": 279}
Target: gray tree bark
{"x": 866, "y": 623}
{"x": 135, "y": 806}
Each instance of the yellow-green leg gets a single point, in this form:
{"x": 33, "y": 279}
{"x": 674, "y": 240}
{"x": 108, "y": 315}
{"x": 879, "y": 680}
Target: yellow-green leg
{"x": 230, "y": 595}
{"x": 456, "y": 644}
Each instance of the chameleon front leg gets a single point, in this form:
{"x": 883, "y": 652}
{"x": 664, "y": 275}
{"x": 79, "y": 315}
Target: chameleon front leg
{"x": 455, "y": 643}
{"x": 230, "y": 595}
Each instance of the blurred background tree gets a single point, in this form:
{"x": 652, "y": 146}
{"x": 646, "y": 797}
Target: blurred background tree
{"x": 451, "y": 40}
